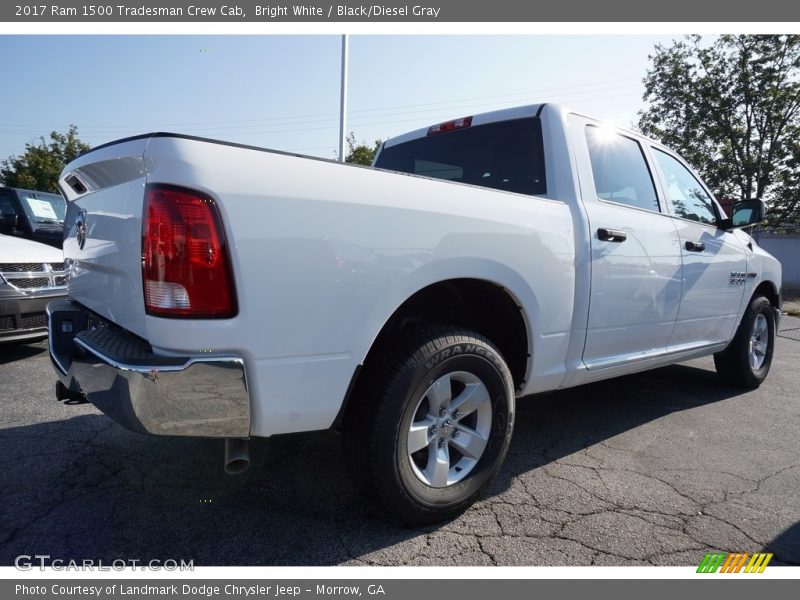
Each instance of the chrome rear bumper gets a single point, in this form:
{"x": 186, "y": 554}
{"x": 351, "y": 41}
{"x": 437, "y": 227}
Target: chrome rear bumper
{"x": 144, "y": 392}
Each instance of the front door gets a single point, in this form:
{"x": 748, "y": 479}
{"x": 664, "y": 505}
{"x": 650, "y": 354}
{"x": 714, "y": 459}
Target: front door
{"x": 714, "y": 261}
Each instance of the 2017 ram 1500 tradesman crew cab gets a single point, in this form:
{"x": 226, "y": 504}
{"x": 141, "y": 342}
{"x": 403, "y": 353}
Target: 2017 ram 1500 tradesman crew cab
{"x": 229, "y": 291}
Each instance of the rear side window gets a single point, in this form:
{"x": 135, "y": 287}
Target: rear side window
{"x": 7, "y": 205}
{"x": 619, "y": 169}
{"x": 688, "y": 198}
{"x": 507, "y": 155}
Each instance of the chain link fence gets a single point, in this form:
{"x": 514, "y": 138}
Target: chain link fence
{"x": 784, "y": 244}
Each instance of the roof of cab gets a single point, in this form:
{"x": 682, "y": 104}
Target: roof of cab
{"x": 506, "y": 114}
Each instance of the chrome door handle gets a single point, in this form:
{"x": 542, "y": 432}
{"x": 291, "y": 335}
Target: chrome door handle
{"x": 695, "y": 246}
{"x": 611, "y": 235}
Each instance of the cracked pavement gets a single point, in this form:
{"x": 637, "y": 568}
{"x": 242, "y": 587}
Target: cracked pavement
{"x": 651, "y": 469}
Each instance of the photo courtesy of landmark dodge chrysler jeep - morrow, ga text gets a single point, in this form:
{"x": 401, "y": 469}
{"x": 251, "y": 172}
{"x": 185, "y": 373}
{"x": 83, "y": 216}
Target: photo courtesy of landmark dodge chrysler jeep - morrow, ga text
{"x": 228, "y": 291}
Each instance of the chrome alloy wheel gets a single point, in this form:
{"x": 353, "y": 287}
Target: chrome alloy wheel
{"x": 759, "y": 342}
{"x": 450, "y": 429}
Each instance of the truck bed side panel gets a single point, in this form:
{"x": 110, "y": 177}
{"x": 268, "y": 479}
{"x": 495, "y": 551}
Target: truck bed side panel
{"x": 323, "y": 254}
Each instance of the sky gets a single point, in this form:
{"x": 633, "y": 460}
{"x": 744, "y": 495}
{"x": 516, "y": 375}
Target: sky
{"x": 282, "y": 91}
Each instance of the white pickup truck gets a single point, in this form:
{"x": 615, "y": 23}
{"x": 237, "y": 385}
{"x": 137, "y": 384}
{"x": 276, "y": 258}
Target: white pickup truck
{"x": 229, "y": 291}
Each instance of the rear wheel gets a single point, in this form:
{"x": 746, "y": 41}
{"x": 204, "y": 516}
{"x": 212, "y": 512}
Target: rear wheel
{"x": 747, "y": 359}
{"x": 432, "y": 425}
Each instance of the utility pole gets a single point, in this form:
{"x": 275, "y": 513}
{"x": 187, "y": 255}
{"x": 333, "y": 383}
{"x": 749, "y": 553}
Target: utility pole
{"x": 343, "y": 102}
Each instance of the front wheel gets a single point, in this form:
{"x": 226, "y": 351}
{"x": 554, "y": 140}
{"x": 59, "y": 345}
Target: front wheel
{"x": 432, "y": 425}
{"x": 747, "y": 359}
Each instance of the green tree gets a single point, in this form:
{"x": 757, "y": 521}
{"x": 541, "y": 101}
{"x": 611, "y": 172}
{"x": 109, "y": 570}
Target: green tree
{"x": 40, "y": 165}
{"x": 360, "y": 154}
{"x": 730, "y": 108}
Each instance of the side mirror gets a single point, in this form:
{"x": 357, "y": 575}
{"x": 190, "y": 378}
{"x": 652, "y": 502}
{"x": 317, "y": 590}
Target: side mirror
{"x": 746, "y": 213}
{"x": 10, "y": 223}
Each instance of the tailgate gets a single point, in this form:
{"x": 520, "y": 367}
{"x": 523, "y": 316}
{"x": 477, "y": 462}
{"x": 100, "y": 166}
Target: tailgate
{"x": 103, "y": 230}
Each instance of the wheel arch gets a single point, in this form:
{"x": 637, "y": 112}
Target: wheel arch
{"x": 475, "y": 289}
{"x": 477, "y": 304}
{"x": 770, "y": 290}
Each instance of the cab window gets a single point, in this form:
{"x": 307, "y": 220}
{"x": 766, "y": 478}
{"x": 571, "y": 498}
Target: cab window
{"x": 7, "y": 206}
{"x": 504, "y": 155}
{"x": 7, "y": 214}
{"x": 619, "y": 169}
{"x": 688, "y": 198}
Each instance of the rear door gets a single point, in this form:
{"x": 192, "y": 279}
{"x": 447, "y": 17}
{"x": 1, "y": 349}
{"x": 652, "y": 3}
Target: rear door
{"x": 635, "y": 253}
{"x": 714, "y": 261}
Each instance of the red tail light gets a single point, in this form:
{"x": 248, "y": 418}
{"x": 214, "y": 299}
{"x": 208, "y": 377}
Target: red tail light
{"x": 185, "y": 264}
{"x": 450, "y": 125}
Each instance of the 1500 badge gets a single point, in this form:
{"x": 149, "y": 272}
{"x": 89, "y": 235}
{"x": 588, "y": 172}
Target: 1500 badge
{"x": 738, "y": 277}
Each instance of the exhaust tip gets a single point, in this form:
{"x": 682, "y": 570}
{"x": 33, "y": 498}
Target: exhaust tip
{"x": 237, "y": 456}
{"x": 236, "y": 467}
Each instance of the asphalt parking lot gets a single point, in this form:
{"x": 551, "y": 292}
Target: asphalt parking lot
{"x": 656, "y": 468}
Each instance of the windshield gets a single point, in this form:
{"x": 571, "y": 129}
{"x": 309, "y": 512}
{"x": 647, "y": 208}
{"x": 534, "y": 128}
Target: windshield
{"x": 506, "y": 155}
{"x": 43, "y": 207}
